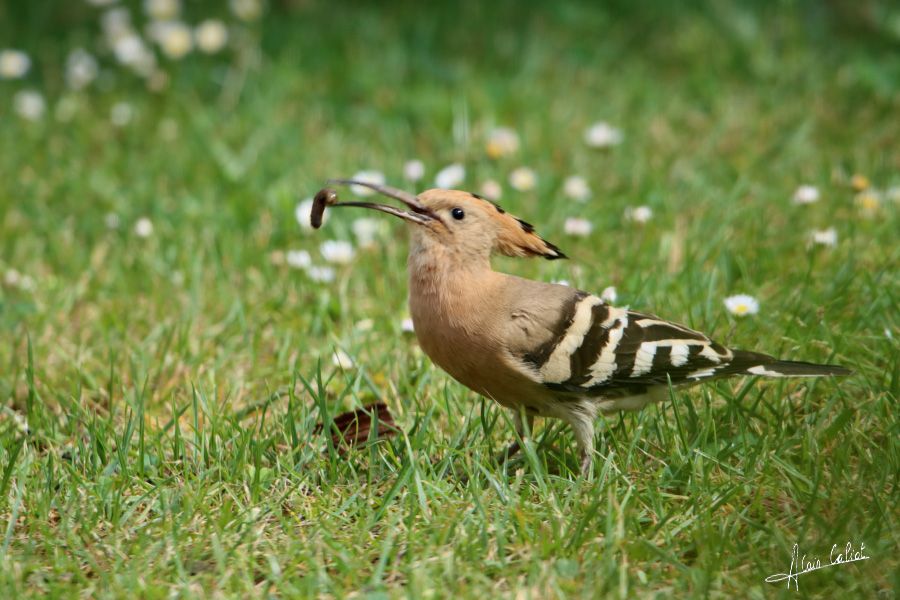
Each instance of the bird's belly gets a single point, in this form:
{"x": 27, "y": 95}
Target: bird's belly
{"x": 481, "y": 368}
{"x": 611, "y": 405}
{"x": 460, "y": 361}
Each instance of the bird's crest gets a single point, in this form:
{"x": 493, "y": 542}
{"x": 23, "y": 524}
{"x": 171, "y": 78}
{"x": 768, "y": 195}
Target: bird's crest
{"x": 517, "y": 237}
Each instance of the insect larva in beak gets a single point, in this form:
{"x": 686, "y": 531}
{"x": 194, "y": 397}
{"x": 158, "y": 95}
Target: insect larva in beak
{"x": 325, "y": 197}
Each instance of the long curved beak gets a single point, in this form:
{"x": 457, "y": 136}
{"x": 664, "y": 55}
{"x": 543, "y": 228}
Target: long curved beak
{"x": 418, "y": 212}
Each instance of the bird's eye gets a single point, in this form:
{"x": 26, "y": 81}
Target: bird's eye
{"x": 458, "y": 213}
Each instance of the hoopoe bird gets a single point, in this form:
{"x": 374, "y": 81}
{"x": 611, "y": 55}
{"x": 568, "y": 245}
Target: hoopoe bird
{"x": 540, "y": 349}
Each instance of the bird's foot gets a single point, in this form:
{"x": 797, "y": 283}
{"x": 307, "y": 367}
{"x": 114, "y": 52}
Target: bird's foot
{"x": 504, "y": 455}
{"x": 586, "y": 460}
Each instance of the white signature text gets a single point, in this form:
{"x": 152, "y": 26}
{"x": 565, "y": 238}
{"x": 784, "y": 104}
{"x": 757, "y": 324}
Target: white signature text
{"x": 802, "y": 564}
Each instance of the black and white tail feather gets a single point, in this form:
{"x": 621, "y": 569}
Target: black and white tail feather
{"x": 606, "y": 352}
{"x": 769, "y": 366}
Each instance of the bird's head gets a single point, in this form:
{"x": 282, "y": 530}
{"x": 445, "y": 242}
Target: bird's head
{"x": 456, "y": 221}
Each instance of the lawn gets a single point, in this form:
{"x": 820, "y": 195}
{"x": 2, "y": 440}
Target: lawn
{"x": 168, "y": 351}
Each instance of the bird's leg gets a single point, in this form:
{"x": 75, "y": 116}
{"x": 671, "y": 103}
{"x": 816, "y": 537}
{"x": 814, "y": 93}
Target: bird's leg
{"x": 584, "y": 436}
{"x": 586, "y": 460}
{"x": 524, "y": 423}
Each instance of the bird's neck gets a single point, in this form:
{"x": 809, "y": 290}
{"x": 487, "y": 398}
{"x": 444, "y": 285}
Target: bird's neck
{"x": 443, "y": 282}
{"x": 453, "y": 304}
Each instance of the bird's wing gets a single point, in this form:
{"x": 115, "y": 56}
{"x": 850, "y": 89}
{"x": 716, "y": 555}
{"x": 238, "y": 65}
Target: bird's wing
{"x": 594, "y": 349}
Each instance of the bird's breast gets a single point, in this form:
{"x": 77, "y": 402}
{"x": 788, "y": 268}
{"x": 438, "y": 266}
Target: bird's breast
{"x": 460, "y": 329}
{"x": 452, "y": 344}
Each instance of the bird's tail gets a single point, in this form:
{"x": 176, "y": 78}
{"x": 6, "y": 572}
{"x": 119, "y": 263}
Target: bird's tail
{"x": 754, "y": 363}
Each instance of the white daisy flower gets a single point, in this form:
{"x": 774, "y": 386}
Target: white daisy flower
{"x": 337, "y": 251}
{"x": 341, "y": 359}
{"x": 14, "y": 64}
{"x": 320, "y": 274}
{"x": 29, "y": 105}
{"x": 162, "y": 10}
{"x": 246, "y": 10}
{"x": 143, "y": 227}
{"x": 602, "y": 135}
{"x": 893, "y": 194}
{"x": 81, "y": 69}
{"x": 174, "y": 38}
{"x": 564, "y": 282}
{"x": 638, "y": 214}
{"x": 859, "y": 182}
{"x": 576, "y": 188}
{"x": 131, "y": 51}
{"x": 12, "y": 278}
{"x": 502, "y": 141}
{"x": 523, "y": 179}
{"x": 450, "y": 176}
{"x": 578, "y": 227}
{"x": 869, "y": 202}
{"x": 374, "y": 177}
{"x": 366, "y": 230}
{"x": 806, "y": 194}
{"x": 407, "y": 326}
{"x": 112, "y": 220}
{"x": 741, "y": 305}
{"x": 824, "y": 237}
{"x": 413, "y": 170}
{"x": 121, "y": 114}
{"x": 211, "y": 36}
{"x": 609, "y": 295}
{"x": 492, "y": 190}
{"x": 21, "y": 423}
{"x": 116, "y": 22}
{"x": 298, "y": 259}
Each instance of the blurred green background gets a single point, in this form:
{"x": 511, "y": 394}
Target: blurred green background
{"x": 169, "y": 329}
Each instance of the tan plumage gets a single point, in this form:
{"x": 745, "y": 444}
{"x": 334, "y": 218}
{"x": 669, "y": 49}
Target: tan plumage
{"x": 542, "y": 349}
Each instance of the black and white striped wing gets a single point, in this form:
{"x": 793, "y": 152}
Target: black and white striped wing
{"x": 601, "y": 350}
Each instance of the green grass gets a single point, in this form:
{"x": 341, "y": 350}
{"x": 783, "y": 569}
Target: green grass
{"x": 172, "y": 384}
